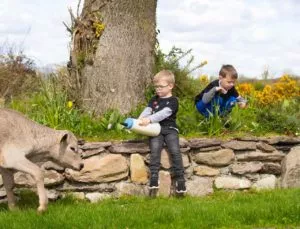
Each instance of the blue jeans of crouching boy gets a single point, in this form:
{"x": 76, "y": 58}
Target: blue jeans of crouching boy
{"x": 170, "y": 137}
{"x": 224, "y": 106}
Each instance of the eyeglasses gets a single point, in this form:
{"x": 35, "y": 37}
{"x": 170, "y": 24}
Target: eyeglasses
{"x": 160, "y": 86}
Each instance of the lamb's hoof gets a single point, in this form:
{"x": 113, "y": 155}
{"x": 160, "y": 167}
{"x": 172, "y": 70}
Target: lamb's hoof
{"x": 13, "y": 207}
{"x": 41, "y": 209}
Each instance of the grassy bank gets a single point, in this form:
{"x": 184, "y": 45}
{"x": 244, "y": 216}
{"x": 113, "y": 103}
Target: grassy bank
{"x": 273, "y": 105}
{"x": 267, "y": 209}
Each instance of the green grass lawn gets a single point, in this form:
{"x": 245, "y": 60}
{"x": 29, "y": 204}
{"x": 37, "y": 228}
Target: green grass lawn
{"x": 268, "y": 209}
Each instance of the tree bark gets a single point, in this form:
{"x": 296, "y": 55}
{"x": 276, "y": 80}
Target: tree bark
{"x": 123, "y": 63}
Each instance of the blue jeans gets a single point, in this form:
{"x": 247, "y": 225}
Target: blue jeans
{"x": 224, "y": 106}
{"x": 170, "y": 137}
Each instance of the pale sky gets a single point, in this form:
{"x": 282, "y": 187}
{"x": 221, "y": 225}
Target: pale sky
{"x": 250, "y": 34}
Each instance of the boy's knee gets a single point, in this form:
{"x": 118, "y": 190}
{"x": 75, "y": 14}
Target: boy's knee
{"x": 229, "y": 104}
{"x": 202, "y": 108}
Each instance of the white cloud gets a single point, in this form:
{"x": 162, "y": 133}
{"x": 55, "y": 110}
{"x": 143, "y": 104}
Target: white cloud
{"x": 37, "y": 27}
{"x": 250, "y": 34}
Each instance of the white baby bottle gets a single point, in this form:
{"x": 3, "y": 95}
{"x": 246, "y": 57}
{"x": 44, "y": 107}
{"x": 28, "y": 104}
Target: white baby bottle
{"x": 152, "y": 129}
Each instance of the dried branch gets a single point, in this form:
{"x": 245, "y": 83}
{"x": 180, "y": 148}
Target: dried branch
{"x": 69, "y": 29}
{"x": 79, "y": 2}
{"x": 73, "y": 18}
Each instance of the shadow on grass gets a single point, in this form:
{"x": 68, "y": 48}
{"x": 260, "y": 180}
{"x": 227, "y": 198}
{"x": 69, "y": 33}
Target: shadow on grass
{"x": 28, "y": 200}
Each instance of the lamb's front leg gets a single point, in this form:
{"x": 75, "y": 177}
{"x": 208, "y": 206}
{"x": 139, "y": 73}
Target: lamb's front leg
{"x": 28, "y": 167}
{"x": 8, "y": 181}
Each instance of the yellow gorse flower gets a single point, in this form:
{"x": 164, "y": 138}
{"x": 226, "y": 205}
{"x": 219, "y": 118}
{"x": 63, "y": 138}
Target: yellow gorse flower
{"x": 284, "y": 88}
{"x": 245, "y": 89}
{"x": 99, "y": 27}
{"x": 203, "y": 79}
{"x": 203, "y": 63}
{"x": 70, "y": 104}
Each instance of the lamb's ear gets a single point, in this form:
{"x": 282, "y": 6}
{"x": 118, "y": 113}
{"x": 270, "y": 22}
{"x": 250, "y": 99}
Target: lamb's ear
{"x": 64, "y": 138}
{"x": 63, "y": 142}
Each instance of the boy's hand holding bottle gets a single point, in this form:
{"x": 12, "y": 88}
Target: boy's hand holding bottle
{"x": 144, "y": 121}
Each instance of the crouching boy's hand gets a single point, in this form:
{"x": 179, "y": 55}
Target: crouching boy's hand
{"x": 144, "y": 121}
{"x": 242, "y": 105}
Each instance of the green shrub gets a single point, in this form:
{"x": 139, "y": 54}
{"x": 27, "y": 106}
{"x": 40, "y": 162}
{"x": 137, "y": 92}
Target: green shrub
{"x": 280, "y": 118}
{"x": 186, "y": 85}
{"x": 50, "y": 106}
{"x": 17, "y": 73}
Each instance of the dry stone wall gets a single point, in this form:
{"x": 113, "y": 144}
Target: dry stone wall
{"x": 112, "y": 169}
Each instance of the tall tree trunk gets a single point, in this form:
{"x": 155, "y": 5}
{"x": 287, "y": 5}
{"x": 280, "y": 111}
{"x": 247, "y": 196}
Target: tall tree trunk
{"x": 123, "y": 61}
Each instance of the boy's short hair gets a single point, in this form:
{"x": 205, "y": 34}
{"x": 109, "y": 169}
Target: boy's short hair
{"x": 228, "y": 70}
{"x": 166, "y": 75}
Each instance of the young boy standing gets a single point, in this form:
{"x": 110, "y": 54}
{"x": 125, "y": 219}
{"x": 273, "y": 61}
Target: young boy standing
{"x": 162, "y": 109}
{"x": 221, "y": 93}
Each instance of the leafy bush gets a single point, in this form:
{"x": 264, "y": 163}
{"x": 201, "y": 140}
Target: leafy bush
{"x": 186, "y": 85}
{"x": 284, "y": 88}
{"x": 281, "y": 118}
{"x": 17, "y": 73}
